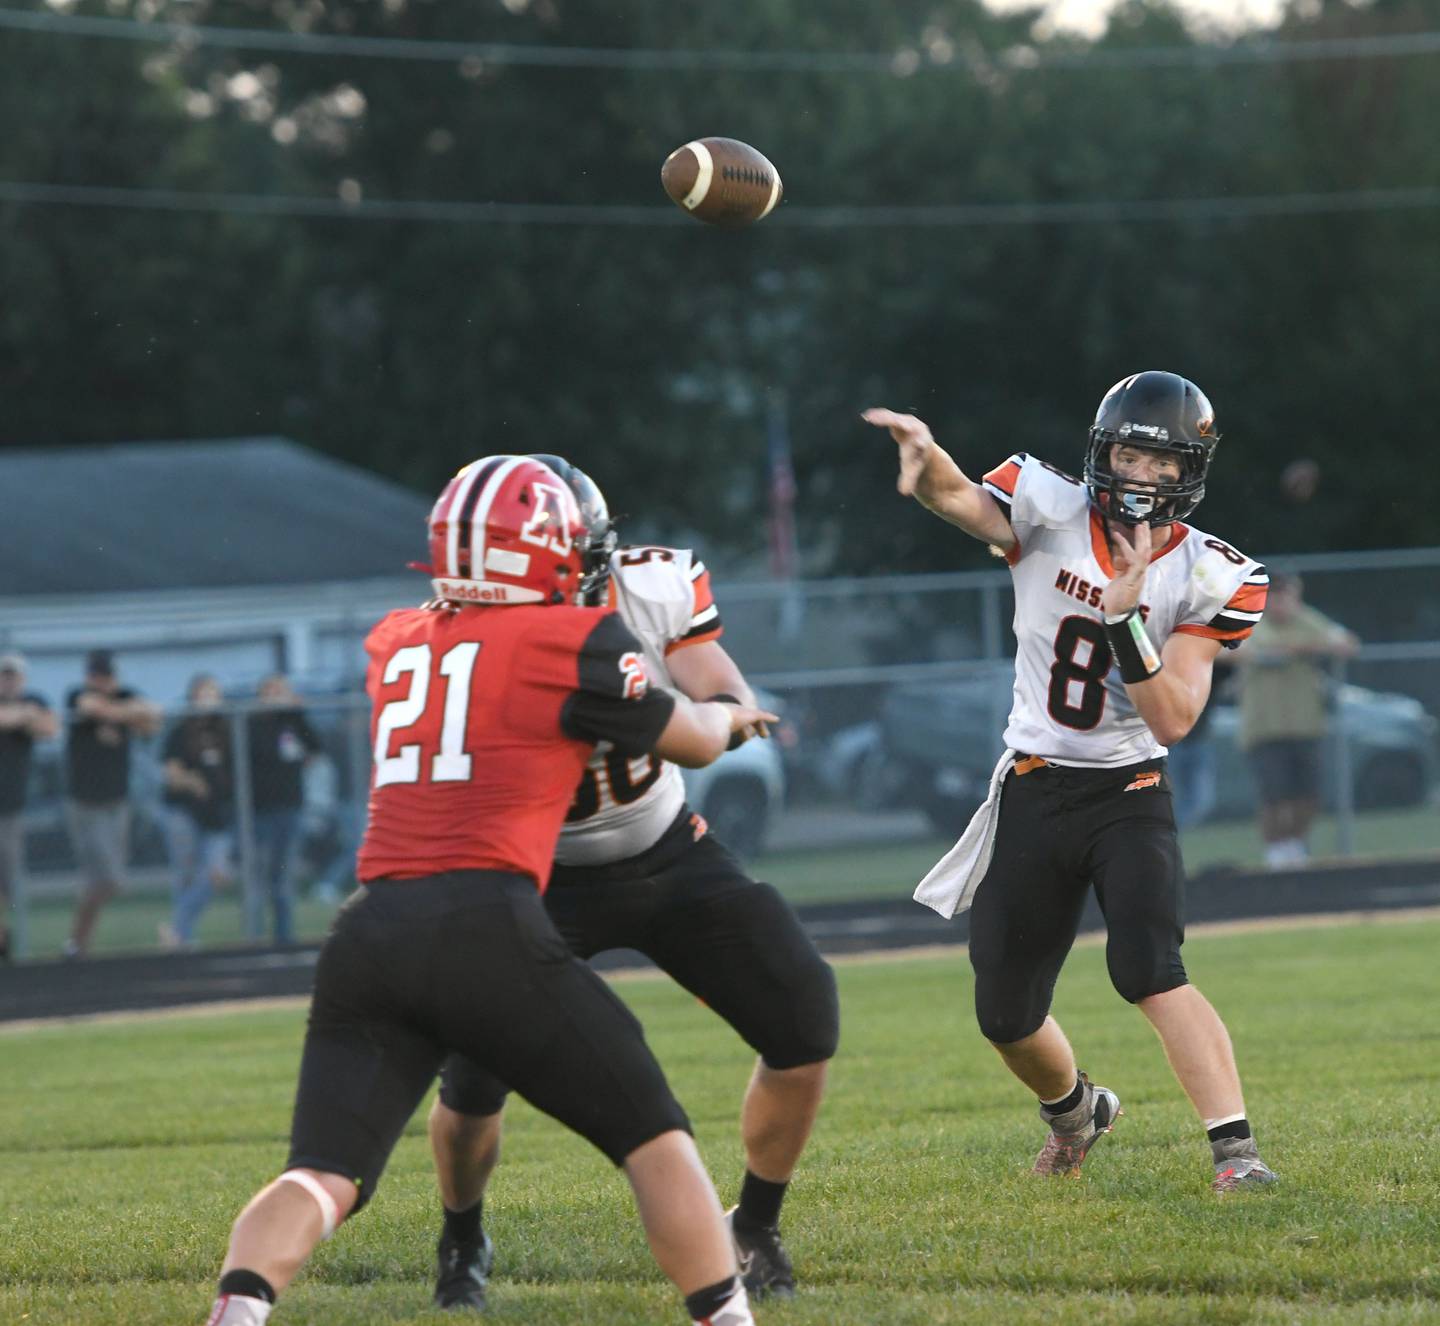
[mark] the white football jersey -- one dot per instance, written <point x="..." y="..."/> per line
<point x="624" y="805"/>
<point x="1070" y="704"/>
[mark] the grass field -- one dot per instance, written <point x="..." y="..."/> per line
<point x="126" y="1147"/>
<point x="855" y="871"/>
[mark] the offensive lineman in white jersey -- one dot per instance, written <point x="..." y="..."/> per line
<point x="1120" y="612"/>
<point x="635" y="868"/>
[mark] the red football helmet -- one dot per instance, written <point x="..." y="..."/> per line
<point x="507" y="529"/>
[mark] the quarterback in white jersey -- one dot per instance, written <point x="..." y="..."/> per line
<point x="1071" y="704"/>
<point x="636" y="869"/>
<point x="1120" y="611"/>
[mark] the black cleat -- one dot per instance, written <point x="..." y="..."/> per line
<point x="764" y="1264"/>
<point x="462" y="1273"/>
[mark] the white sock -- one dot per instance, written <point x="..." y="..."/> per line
<point x="237" y="1310"/>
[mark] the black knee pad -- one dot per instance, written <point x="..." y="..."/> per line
<point x="807" y="1030"/>
<point x="1009" y="1010"/>
<point x="1140" y="969"/>
<point x="1135" y="986"/>
<point x="468" y="1089"/>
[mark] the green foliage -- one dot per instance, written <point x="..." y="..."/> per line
<point x="648" y="353"/>
<point x="126" y="1148"/>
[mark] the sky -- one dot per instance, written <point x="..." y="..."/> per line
<point x="1088" y="16"/>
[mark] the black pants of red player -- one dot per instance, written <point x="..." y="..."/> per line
<point x="1061" y="831"/>
<point x="467" y="963"/>
<point x="691" y="909"/>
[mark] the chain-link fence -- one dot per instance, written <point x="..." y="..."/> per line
<point x="894" y="693"/>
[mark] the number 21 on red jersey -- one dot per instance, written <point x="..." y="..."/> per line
<point x="451" y="763"/>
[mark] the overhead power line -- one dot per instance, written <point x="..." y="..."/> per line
<point x="1108" y="211"/>
<point x="946" y="59"/>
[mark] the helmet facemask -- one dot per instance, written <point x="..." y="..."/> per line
<point x="600" y="539"/>
<point x="1135" y="501"/>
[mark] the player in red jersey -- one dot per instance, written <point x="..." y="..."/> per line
<point x="483" y="722"/>
<point x="637" y="869"/>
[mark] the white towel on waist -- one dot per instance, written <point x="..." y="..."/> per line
<point x="952" y="881"/>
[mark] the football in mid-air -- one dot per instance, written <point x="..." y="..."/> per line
<point x="722" y="181"/>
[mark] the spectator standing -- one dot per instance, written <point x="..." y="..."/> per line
<point x="1284" y="714"/>
<point x="103" y="716"/>
<point x="281" y="743"/>
<point x="24" y="719"/>
<point x="199" y="806"/>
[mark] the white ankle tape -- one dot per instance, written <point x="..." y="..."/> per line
<point x="1229" y="1118"/>
<point x="329" y="1210"/>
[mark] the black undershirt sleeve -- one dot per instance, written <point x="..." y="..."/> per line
<point x="615" y="701"/>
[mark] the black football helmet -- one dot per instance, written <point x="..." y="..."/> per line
<point x="601" y="536"/>
<point x="1160" y="412"/>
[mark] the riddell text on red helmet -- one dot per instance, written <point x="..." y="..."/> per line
<point x="474" y="593"/>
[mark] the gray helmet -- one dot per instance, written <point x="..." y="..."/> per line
<point x="601" y="536"/>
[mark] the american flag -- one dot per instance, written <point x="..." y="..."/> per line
<point x="783" y="552"/>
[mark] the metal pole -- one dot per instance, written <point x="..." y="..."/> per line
<point x="20" y="902"/>
<point x="997" y="694"/>
<point x="1344" y="772"/>
<point x="990" y="623"/>
<point x="251" y="902"/>
<point x="357" y="741"/>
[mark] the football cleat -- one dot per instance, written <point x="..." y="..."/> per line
<point x="765" y="1266"/>
<point x="1073" y="1133"/>
<point x="1238" y="1165"/>
<point x="462" y="1272"/>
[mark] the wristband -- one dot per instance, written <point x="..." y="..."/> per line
<point x="1132" y="649"/>
<point x="737" y="739"/>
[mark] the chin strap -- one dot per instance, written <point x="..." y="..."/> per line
<point x="1134" y="652"/>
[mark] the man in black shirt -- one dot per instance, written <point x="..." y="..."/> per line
<point x="103" y="716"/>
<point x="24" y="719"/>
<point x="281" y="743"/>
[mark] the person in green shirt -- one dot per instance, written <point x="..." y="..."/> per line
<point x="1284" y="713"/>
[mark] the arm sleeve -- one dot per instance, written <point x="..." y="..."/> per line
<point x="172" y="749"/>
<point x="1002" y="481"/>
<point x="1035" y="495"/>
<point x="615" y="701"/>
<point x="705" y="623"/>
<point x="1232" y="619"/>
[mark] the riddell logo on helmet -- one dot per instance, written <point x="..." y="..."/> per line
<point x="470" y="592"/>
<point x="1153" y="431"/>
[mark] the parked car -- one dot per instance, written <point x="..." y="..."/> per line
<point x="1392" y="751"/>
<point x="934" y="747"/>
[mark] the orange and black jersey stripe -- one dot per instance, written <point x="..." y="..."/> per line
<point x="1000" y="482"/>
<point x="705" y="623"/>
<point x="1242" y="610"/>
